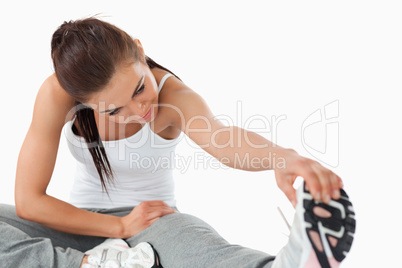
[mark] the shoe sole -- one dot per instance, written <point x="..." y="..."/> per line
<point x="335" y="229"/>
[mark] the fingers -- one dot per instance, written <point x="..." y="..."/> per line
<point x="285" y="183"/>
<point x="336" y="194"/>
<point x="144" y="215"/>
<point x="158" y="213"/>
<point x="324" y="182"/>
<point x="312" y="180"/>
<point x="290" y="193"/>
<point x="153" y="210"/>
<point x="155" y="203"/>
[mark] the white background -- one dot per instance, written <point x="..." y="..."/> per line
<point x="288" y="58"/>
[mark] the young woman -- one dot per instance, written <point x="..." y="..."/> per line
<point x="121" y="106"/>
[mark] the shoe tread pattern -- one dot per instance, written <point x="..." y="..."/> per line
<point x="341" y="225"/>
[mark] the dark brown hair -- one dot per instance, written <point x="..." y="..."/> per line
<point x="86" y="53"/>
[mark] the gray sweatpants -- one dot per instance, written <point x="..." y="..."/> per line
<point x="181" y="240"/>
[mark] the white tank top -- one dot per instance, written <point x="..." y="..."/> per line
<point x="143" y="169"/>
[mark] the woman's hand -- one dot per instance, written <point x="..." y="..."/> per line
<point x="143" y="216"/>
<point x="322" y="183"/>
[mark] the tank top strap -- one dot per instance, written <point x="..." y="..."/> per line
<point x="166" y="76"/>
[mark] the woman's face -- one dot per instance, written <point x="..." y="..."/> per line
<point x="130" y="97"/>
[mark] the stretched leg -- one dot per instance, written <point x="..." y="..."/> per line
<point x="182" y="241"/>
<point x="28" y="244"/>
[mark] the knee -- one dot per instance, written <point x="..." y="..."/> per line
<point x="184" y="223"/>
<point x="179" y="219"/>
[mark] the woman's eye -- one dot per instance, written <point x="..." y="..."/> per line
<point x="114" y="112"/>
<point x="141" y="89"/>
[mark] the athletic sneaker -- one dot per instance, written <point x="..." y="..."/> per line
<point x="321" y="234"/>
<point x="142" y="255"/>
<point x="115" y="253"/>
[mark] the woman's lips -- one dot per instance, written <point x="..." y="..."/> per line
<point x="147" y="115"/>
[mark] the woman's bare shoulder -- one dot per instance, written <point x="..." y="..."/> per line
<point x="53" y="99"/>
<point x="176" y="99"/>
<point x="52" y="86"/>
<point x="171" y="87"/>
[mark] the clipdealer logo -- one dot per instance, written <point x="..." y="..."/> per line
<point x="320" y="134"/>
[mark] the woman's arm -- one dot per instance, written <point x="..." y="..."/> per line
<point x="35" y="167"/>
<point x="246" y="150"/>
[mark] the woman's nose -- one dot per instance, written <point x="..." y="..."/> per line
<point x="138" y="108"/>
<point x="142" y="107"/>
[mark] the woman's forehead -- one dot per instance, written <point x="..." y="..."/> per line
<point x="119" y="89"/>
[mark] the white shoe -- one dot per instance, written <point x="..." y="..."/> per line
<point x="321" y="234"/>
<point x="115" y="253"/>
<point x="108" y="254"/>
<point x="140" y="256"/>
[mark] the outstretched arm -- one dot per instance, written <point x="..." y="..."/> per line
<point x="242" y="149"/>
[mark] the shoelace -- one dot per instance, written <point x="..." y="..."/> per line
<point x="284" y="219"/>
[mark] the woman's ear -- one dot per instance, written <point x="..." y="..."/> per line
<point x="141" y="49"/>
